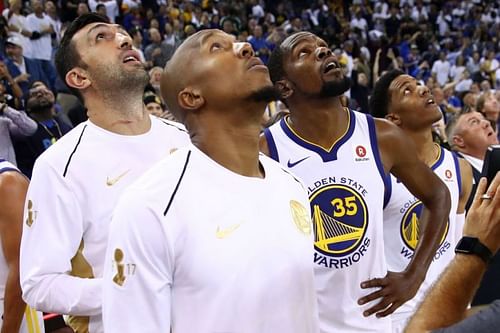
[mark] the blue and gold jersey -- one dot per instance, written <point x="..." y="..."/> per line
<point x="32" y="320"/>
<point x="346" y="186"/>
<point x="401" y="230"/>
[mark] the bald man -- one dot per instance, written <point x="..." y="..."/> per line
<point x="216" y="237"/>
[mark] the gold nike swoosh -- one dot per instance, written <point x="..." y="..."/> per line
<point x="113" y="181"/>
<point x="223" y="233"/>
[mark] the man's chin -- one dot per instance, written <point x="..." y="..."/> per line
<point x="335" y="87"/>
<point x="265" y="94"/>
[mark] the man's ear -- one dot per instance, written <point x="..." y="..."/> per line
<point x="458" y="141"/>
<point x="190" y="99"/>
<point x="393" y="118"/>
<point x="285" y="88"/>
<point x="78" y="78"/>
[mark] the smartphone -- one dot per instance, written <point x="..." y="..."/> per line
<point x="491" y="163"/>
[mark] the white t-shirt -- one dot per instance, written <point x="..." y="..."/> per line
<point x="19" y="21"/>
<point x="32" y="320"/>
<point x="195" y="247"/>
<point x="42" y="47"/>
<point x="442" y="70"/>
<point x="73" y="191"/>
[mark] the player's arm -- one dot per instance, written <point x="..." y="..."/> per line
<point x="13" y="187"/>
<point x="400" y="158"/>
<point x="52" y="234"/>
<point x="137" y="275"/>
<point x="447" y="301"/>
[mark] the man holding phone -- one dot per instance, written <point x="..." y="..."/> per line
<point x="470" y="134"/>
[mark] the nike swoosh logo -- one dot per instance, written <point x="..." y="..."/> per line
<point x="291" y="165"/>
<point x="113" y="181"/>
<point x="223" y="233"/>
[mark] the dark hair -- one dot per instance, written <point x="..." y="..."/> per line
<point x="380" y="98"/>
<point x="101" y="5"/>
<point x="67" y="56"/>
<point x="275" y="64"/>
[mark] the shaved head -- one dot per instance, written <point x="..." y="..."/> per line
<point x="179" y="73"/>
<point x="212" y="71"/>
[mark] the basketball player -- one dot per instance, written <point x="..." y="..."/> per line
<point x="216" y="237"/>
<point x="15" y="316"/>
<point x="344" y="157"/>
<point x="409" y="105"/>
<point x="76" y="183"/>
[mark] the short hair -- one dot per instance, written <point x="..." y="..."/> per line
<point x="67" y="57"/>
<point x="480" y="103"/>
<point x="380" y="98"/>
<point x="275" y="65"/>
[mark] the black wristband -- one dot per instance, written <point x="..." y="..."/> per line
<point x="472" y="245"/>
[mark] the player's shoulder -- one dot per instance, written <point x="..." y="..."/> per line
<point x="278" y="172"/>
<point x="164" y="173"/>
<point x="60" y="152"/>
<point x="170" y="126"/>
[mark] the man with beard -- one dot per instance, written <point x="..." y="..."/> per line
<point x="400" y="99"/>
<point x="344" y="158"/>
<point x="40" y="107"/>
<point x="216" y="237"/>
<point x="76" y="183"/>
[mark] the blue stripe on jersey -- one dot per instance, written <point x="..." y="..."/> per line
<point x="459" y="174"/>
<point x="439" y="160"/>
<point x="2" y="160"/>
<point x="273" y="151"/>
<point x="8" y="169"/>
<point x="326" y="155"/>
<point x="374" y="144"/>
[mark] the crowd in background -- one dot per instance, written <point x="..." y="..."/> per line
<point x="451" y="46"/>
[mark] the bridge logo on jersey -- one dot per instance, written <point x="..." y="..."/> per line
<point x="340" y="220"/>
<point x="410" y="226"/>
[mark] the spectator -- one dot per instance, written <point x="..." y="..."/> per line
<point x="260" y="44"/>
<point x="158" y="52"/>
<point x="441" y="69"/>
<point x="40" y="106"/>
<point x="24" y="70"/>
<point x="41" y="28"/>
<point x="51" y="10"/>
<point x="13" y="124"/>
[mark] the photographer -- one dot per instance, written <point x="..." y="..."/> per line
<point x="13" y="123"/>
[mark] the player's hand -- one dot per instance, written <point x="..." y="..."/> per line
<point x="394" y="289"/>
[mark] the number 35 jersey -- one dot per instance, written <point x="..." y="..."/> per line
<point x="346" y="187"/>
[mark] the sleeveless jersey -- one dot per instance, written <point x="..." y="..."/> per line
<point x="346" y="191"/>
<point x="33" y="320"/>
<point x="401" y="230"/>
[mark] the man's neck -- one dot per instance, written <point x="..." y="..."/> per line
<point x="43" y="115"/>
<point x="319" y="120"/>
<point x="231" y="138"/>
<point x="427" y="150"/>
<point x="128" y="117"/>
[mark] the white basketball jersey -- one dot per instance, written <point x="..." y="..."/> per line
<point x="346" y="192"/>
<point x="401" y="231"/>
<point x="32" y="320"/>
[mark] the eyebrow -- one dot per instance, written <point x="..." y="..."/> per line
<point x="106" y="25"/>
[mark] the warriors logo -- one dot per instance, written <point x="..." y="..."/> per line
<point x="410" y="226"/>
<point x="340" y="220"/>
